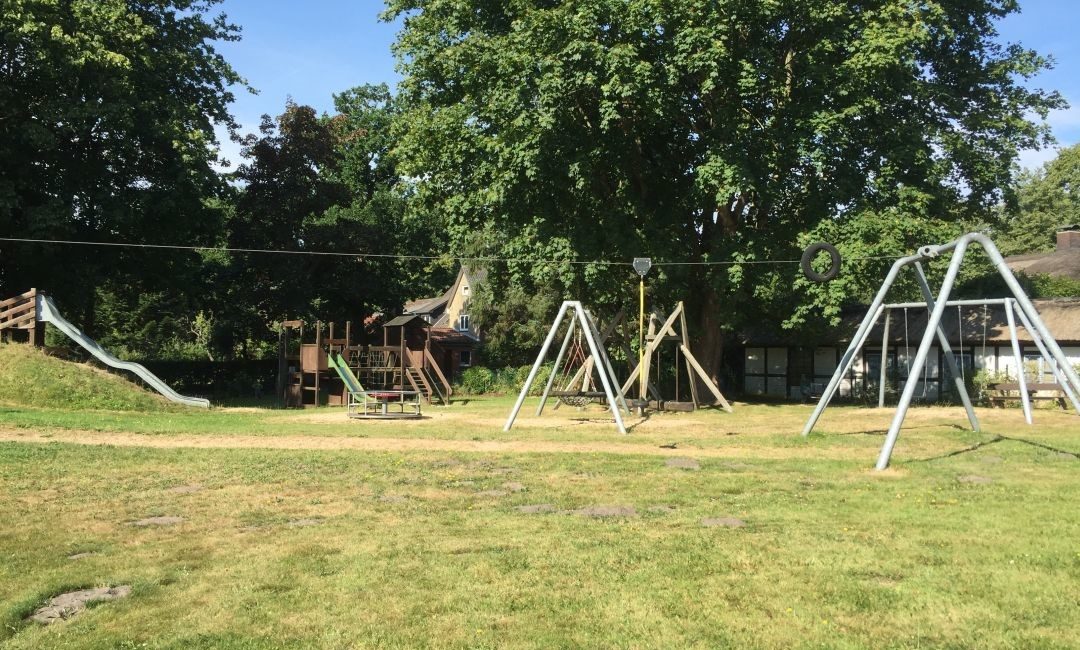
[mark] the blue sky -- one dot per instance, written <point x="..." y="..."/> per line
<point x="312" y="49"/>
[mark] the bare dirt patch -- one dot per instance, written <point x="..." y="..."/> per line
<point x="661" y="509"/>
<point x="514" y="486"/>
<point x="492" y="493"/>
<point x="67" y="605"/>
<point x="167" y="520"/>
<point x="975" y="479"/>
<point x="79" y="556"/>
<point x="307" y="521"/>
<point x="606" y="511"/>
<point x="722" y="522"/>
<point x="86" y="437"/>
<point x="393" y="498"/>
<point x="683" y="462"/>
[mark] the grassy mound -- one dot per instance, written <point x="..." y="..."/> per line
<point x="29" y="377"/>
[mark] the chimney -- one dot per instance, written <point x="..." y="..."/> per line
<point x="1068" y="238"/>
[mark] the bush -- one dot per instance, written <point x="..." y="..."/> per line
<point x="477" y="380"/>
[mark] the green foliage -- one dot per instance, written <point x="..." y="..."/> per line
<point x="28" y="377"/>
<point x="1043" y="285"/>
<point x="478" y="380"/>
<point x="515" y="322"/>
<point x="982" y="379"/>
<point x="1046" y="199"/>
<point x="109" y="109"/>
<point x="320" y="183"/>
<point x="703" y="131"/>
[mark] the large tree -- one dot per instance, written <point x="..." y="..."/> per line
<point x="705" y="131"/>
<point x="324" y="184"/>
<point x="107" y="116"/>
<point x="1046" y="199"/>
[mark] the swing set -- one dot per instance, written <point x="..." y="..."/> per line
<point x="581" y="332"/>
<point x="1018" y="304"/>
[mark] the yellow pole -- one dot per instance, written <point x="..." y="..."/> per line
<point x="641" y="339"/>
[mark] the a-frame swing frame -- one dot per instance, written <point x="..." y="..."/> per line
<point x="1044" y="340"/>
<point x="579" y="318"/>
<point x="583" y="377"/>
<point x="666" y="332"/>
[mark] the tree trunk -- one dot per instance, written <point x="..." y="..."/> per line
<point x="709" y="342"/>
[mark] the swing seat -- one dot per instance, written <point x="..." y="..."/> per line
<point x="576" y="393"/>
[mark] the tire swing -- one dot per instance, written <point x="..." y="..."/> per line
<point x="808" y="257"/>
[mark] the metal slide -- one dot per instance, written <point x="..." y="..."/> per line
<point x="48" y="312"/>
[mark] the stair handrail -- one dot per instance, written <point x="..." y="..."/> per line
<point x="429" y="359"/>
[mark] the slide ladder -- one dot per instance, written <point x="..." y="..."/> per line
<point x="47" y="312"/>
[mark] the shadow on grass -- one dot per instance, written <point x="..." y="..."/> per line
<point x="643" y="420"/>
<point x="994" y="441"/>
<point x="881" y="432"/>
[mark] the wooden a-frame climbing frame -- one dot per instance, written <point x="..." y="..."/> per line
<point x="666" y="332"/>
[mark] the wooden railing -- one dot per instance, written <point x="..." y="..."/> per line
<point x="19" y="312"/>
<point x="430" y="361"/>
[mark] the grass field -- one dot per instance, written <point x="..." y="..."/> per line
<point x="303" y="529"/>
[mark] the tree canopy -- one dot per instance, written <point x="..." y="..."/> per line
<point x="706" y="131"/>
<point x="1046" y="199"/>
<point x="107" y="133"/>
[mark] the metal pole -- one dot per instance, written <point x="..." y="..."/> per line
<point x="1025" y="399"/>
<point x="845" y="362"/>
<point x="1069" y="392"/>
<point x="555" y="368"/>
<point x="539" y="361"/>
<point x="884" y="357"/>
<point x="641" y="338"/>
<point x="604" y="379"/>
<point x="1025" y="304"/>
<point x="975" y="302"/>
<point x="605" y="364"/>
<point x="946" y="349"/>
<point x="920" y="356"/>
<point x="864" y="328"/>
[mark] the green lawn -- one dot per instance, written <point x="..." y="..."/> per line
<point x="971" y="540"/>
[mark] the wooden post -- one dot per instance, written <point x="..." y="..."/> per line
<point x="283" y="364"/>
<point x="318" y="349"/>
<point x="689" y="370"/>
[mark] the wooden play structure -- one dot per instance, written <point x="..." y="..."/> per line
<point x="664" y="331"/>
<point x="403" y="364"/>
<point x="19" y="321"/>
<point x="584" y="347"/>
<point x="29" y="312"/>
<point x="579" y="320"/>
<point x="575" y="368"/>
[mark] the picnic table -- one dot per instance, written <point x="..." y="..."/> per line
<point x="999" y="394"/>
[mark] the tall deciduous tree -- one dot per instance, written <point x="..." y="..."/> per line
<point x="325" y="184"/>
<point x="703" y="131"/>
<point x="107" y="115"/>
<point x="1046" y="199"/>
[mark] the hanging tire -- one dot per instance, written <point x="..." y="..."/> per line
<point x="811" y="252"/>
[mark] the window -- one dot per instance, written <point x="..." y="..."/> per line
<point x="463" y="323"/>
<point x="464" y="289"/>
<point x="465" y="358"/>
